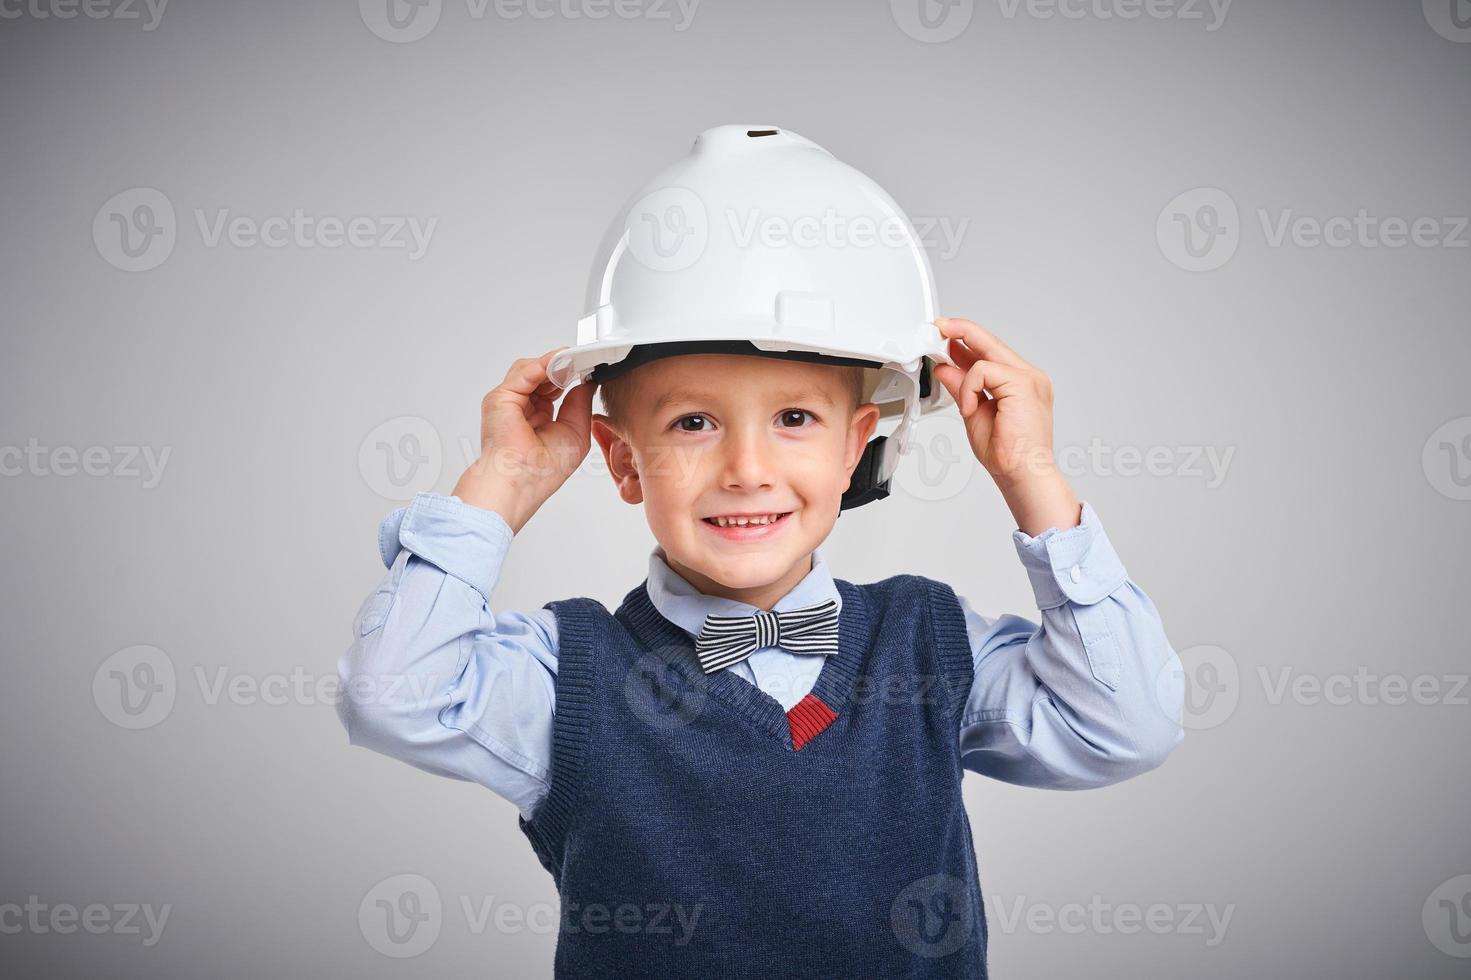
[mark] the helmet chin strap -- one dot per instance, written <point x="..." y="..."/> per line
<point x="865" y="484"/>
<point x="875" y="469"/>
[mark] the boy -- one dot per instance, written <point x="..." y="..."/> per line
<point x="751" y="767"/>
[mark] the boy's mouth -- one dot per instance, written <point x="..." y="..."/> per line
<point x="742" y="527"/>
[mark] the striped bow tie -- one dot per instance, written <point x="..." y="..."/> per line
<point x="725" y="640"/>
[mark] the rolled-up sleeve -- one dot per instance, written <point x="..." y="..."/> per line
<point x="433" y="677"/>
<point x="1090" y="695"/>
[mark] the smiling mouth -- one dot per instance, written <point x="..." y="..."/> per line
<point x="746" y="520"/>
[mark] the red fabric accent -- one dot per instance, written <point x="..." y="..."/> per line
<point x="808" y="717"/>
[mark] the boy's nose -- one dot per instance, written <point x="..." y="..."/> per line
<point x="749" y="463"/>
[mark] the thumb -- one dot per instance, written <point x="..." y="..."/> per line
<point x="576" y="411"/>
<point x="950" y="376"/>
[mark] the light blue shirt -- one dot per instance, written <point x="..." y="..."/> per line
<point x="1089" y="696"/>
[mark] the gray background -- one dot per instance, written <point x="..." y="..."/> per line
<point x="1335" y="543"/>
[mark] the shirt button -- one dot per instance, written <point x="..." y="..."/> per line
<point x="1074" y="574"/>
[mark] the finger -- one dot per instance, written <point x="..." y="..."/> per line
<point x="516" y="393"/>
<point x="977" y="419"/>
<point x="962" y="355"/>
<point x="979" y="339"/>
<point x="541" y="402"/>
<point x="953" y="378"/>
<point x="527" y="374"/>
<point x="983" y="376"/>
<point x="950" y="377"/>
<point x="550" y="392"/>
<point x="576" y="411"/>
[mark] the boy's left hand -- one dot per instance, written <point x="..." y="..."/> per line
<point x="1011" y="431"/>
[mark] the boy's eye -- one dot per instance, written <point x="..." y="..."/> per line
<point x="792" y="417"/>
<point x="691" y="418"/>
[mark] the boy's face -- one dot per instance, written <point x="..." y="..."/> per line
<point x="713" y="435"/>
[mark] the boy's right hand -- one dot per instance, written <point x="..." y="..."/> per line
<point x="525" y="454"/>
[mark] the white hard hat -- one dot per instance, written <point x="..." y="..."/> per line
<point x="759" y="241"/>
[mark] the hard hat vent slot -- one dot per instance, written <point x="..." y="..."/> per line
<point x="762" y="132"/>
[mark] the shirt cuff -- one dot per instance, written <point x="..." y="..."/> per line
<point x="462" y="540"/>
<point x="1073" y="565"/>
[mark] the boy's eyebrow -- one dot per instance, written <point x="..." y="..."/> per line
<point x="680" y="395"/>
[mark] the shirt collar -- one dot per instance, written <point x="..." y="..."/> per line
<point x="686" y="607"/>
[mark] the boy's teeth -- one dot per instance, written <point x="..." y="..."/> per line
<point x="741" y="521"/>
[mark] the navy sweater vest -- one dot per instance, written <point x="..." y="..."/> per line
<point x="695" y="829"/>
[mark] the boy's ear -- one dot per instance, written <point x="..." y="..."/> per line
<point x="619" y="456"/>
<point x="860" y="430"/>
